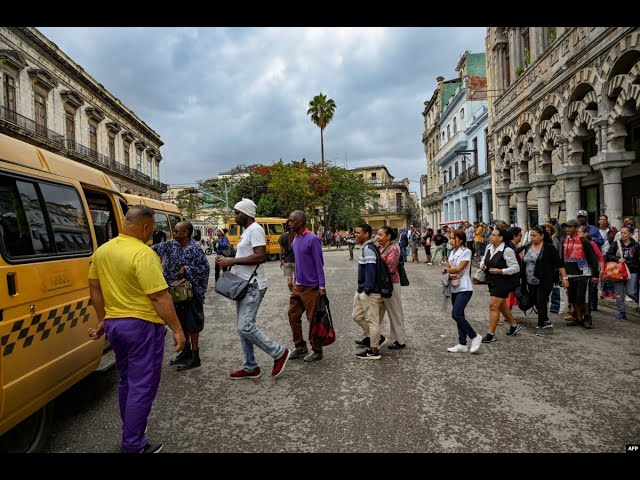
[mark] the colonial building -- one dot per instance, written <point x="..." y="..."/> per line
<point x="432" y="200"/>
<point x="564" y="121"/>
<point x="50" y="101"/>
<point x="462" y="154"/>
<point x="394" y="205"/>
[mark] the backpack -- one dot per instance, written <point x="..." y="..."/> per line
<point x="384" y="282"/>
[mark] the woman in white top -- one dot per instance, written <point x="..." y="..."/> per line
<point x="461" y="290"/>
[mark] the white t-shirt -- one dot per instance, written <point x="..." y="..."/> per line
<point x="253" y="236"/>
<point x="455" y="258"/>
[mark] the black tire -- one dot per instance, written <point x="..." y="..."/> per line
<point x="31" y="435"/>
<point x="208" y="251"/>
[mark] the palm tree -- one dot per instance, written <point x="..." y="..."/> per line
<point x="321" y="111"/>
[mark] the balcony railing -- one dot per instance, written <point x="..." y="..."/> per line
<point x="30" y="125"/>
<point x="471" y="173"/>
<point x="385" y="183"/>
<point x="90" y="155"/>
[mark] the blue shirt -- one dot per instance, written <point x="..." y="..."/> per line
<point x="309" y="263"/>
<point x="195" y="263"/>
<point x="367" y="269"/>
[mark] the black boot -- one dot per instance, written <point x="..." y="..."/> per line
<point x="183" y="356"/>
<point x="193" y="362"/>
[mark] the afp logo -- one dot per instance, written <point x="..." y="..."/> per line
<point x="633" y="448"/>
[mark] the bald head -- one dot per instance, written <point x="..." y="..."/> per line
<point x="139" y="222"/>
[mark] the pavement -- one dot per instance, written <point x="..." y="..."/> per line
<point x="573" y="390"/>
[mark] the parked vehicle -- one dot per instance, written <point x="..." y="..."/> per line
<point x="273" y="228"/>
<point x="54" y="214"/>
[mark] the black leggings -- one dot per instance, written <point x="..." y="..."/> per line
<point x="540" y="297"/>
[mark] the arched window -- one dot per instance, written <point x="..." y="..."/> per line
<point x="455" y="125"/>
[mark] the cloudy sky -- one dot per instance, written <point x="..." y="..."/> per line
<point x="221" y="97"/>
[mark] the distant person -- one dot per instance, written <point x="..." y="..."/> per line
<point x="133" y="305"/>
<point x="287" y="258"/>
<point x="222" y="248"/>
<point x="251" y="253"/>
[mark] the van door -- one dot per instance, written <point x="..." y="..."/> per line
<point x="162" y="232"/>
<point x="46" y="247"/>
<point x="103" y="216"/>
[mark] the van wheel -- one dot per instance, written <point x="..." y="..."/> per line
<point x="31" y="435"/>
<point x="274" y="256"/>
<point x="208" y="251"/>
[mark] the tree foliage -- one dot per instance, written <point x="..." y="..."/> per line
<point x="321" y="110"/>
<point x="189" y="202"/>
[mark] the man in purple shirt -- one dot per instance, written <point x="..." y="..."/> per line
<point x="308" y="284"/>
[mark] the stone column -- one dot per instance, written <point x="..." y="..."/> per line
<point x="521" y="206"/>
<point x="457" y="211"/>
<point x="473" y="209"/>
<point x="572" y="197"/>
<point x="486" y="206"/>
<point x="503" y="206"/>
<point x="612" y="182"/>
<point x="544" y="203"/>
<point x="610" y="165"/>
<point x="464" y="208"/>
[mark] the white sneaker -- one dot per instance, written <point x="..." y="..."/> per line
<point x="475" y="343"/>
<point x="458" y="349"/>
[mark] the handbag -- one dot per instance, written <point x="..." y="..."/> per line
<point x="322" y="332"/>
<point x="232" y="286"/>
<point x="616" y="271"/>
<point x="404" y="280"/>
<point x="479" y="277"/>
<point x="181" y="290"/>
<point x="523" y="296"/>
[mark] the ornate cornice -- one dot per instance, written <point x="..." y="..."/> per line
<point x="141" y="145"/>
<point x="13" y="58"/>
<point x="42" y="78"/>
<point x="72" y="98"/>
<point x="94" y="114"/>
<point x="127" y="136"/>
<point x="113" y="127"/>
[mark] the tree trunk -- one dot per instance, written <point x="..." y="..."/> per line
<point x="322" y="147"/>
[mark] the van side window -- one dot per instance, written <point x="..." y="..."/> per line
<point x="102" y="216"/>
<point x="161" y="232"/>
<point x="41" y="219"/>
<point x="67" y="217"/>
<point x="276" y="229"/>
<point x="234" y="230"/>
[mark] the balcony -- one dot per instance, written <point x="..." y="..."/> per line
<point x="447" y="151"/>
<point x="32" y="129"/>
<point x="78" y="150"/>
<point x="386" y="184"/>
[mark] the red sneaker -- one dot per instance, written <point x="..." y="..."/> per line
<point x="239" y="374"/>
<point x="278" y="365"/>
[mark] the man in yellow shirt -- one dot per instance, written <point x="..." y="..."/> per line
<point x="133" y="305"/>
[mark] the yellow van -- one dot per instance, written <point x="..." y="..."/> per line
<point x="166" y="217"/>
<point x="273" y="228"/>
<point x="54" y="213"/>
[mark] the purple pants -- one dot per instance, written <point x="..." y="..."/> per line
<point x="139" y="347"/>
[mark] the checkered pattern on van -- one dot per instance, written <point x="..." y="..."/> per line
<point x="25" y="332"/>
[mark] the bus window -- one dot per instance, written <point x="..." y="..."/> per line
<point x="161" y="232"/>
<point x="102" y="216"/>
<point x="174" y="220"/>
<point x="68" y="221"/>
<point x="276" y="229"/>
<point x="234" y="229"/>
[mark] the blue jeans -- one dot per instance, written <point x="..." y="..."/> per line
<point x="250" y="334"/>
<point x="459" y="301"/>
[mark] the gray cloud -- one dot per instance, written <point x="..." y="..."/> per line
<point x="219" y="97"/>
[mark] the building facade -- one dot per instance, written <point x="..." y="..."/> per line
<point x="564" y="122"/>
<point x="50" y="101"/>
<point x="393" y="206"/>
<point x="462" y="157"/>
<point x="432" y="199"/>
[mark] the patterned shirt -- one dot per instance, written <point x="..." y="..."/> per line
<point x="391" y="256"/>
<point x="195" y="263"/>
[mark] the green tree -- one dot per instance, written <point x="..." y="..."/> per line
<point x="289" y="186"/>
<point x="321" y="110"/>
<point x="189" y="202"/>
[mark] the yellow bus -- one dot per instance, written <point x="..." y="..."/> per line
<point x="166" y="217"/>
<point x="273" y="228"/>
<point x="54" y="213"/>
